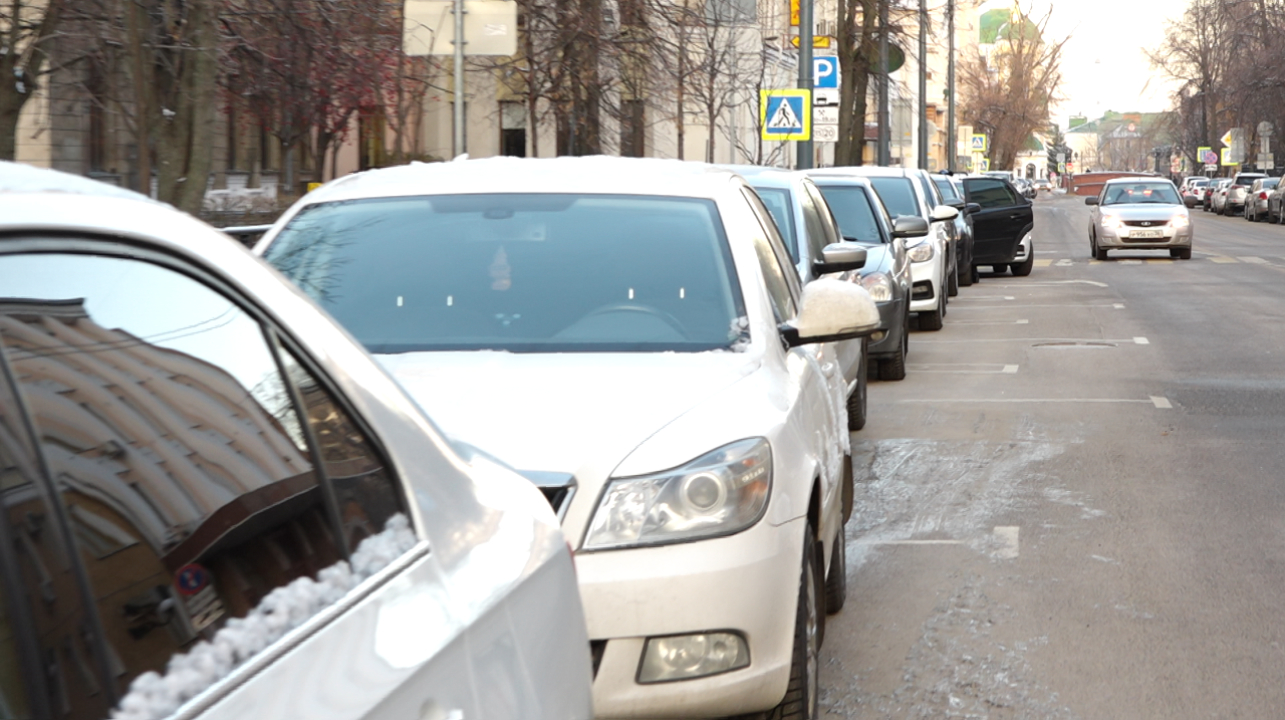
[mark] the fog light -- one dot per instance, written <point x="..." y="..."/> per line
<point x="877" y="336"/>
<point x="683" y="657"/>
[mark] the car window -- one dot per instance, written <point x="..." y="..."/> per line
<point x="1141" y="193"/>
<point x="778" y="202"/>
<point x="946" y="189"/>
<point x="519" y="272"/>
<point x="828" y="221"/>
<point x="176" y="447"/>
<point x="990" y="193"/>
<point x="898" y="195"/>
<point x="816" y="224"/>
<point x="853" y="208"/>
<point x="931" y="195"/>
<point x="777" y="272"/>
<point x="14" y="699"/>
<point x="47" y="592"/>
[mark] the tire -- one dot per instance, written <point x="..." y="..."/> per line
<point x="1184" y="254"/>
<point x="894" y="368"/>
<point x="800" y="701"/>
<point x="976" y="274"/>
<point x="965" y="278"/>
<point x="1024" y="268"/>
<point x="1099" y="253"/>
<point x="857" y="400"/>
<point x="999" y="269"/>
<point x="836" y="580"/>
<point x="952" y="283"/>
<point x="933" y="321"/>
<point x="849" y="489"/>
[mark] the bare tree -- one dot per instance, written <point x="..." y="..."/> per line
<point x="1009" y="90"/>
<point x="26" y="27"/>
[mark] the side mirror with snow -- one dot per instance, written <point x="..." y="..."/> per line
<point x="944" y="213"/>
<point x="839" y="257"/>
<point x="831" y="310"/>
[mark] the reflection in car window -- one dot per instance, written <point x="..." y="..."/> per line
<point x="777" y="202"/>
<point x="815" y="223"/>
<point x="1141" y="193"/>
<point x="946" y="189"/>
<point x="898" y="195"/>
<point x="14" y="702"/>
<point x="180" y="459"/>
<point x="990" y="193"/>
<point x="776" y="272"/>
<point x="518" y="272"/>
<point x="852" y="208"/>
<point x="831" y="225"/>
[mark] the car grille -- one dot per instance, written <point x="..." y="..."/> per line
<point x="1146" y="223"/>
<point x="922" y="290"/>
<point x="1161" y="239"/>
<point x="558" y="488"/>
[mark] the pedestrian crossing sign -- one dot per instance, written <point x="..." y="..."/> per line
<point x="786" y="114"/>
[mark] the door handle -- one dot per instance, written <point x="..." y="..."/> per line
<point x="1014" y="216"/>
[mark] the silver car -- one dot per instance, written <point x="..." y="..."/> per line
<point x="1139" y="213"/>
<point x="217" y="505"/>
<point x="1234" y="201"/>
<point x="1256" y="207"/>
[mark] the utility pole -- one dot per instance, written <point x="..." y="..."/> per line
<point x="952" y="151"/>
<point x="804" y="147"/>
<point x="923" y="85"/>
<point x="460" y="138"/>
<point x="885" y="130"/>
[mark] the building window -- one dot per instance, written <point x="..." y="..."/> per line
<point x="513" y="129"/>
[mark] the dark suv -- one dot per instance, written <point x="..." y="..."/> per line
<point x="1000" y="226"/>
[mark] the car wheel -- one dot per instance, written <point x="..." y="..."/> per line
<point x="836" y="581"/>
<point x="952" y="283"/>
<point x="800" y="701"/>
<point x="933" y="320"/>
<point x="999" y="269"/>
<point x="1099" y="253"/>
<point x="1184" y="254"/>
<point x="857" y="402"/>
<point x="976" y="274"/>
<point x="894" y="368"/>
<point x="965" y="276"/>
<point x="1024" y="268"/>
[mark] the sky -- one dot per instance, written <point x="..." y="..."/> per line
<point x="1105" y="67"/>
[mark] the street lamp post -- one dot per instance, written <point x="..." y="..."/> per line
<point x="923" y="85"/>
<point x="951" y="151"/>
<point x="804" y="147"/>
<point x="885" y="131"/>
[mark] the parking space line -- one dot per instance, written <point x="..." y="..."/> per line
<point x="918" y="542"/>
<point x="989" y="297"/>
<point x="1007" y="536"/>
<point x="1050" y="283"/>
<point x="1161" y="402"/>
<point x="1141" y="341"/>
<point x="991" y="322"/>
<point x="1022" y="401"/>
<point x="1223" y="259"/>
<point x="1043" y="263"/>
<point x="962" y="368"/>
<point x="1124" y="341"/>
<point x="1117" y="306"/>
<point x="1252" y="260"/>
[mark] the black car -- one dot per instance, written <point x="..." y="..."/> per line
<point x="1004" y="220"/>
<point x="952" y="194"/>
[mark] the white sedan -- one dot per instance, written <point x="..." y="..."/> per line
<point x="632" y="335"/>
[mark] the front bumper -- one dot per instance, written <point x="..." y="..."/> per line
<point x="746" y="583"/>
<point x="925" y="280"/>
<point x="1173" y="238"/>
<point x="891" y="323"/>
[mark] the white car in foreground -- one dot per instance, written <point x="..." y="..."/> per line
<point x="630" y="334"/>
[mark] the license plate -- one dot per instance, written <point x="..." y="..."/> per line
<point x="1146" y="233"/>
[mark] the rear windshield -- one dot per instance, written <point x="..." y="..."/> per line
<point x="946" y="188"/>
<point x="1141" y="193"/>
<point x="898" y="196"/>
<point x="519" y="272"/>
<point x="855" y="212"/>
<point x="778" y="202"/>
<point x="1246" y="180"/>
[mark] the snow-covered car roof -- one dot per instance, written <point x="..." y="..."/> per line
<point x="22" y="178"/>
<point x="632" y="176"/>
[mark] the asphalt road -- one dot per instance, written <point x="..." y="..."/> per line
<point x="1074" y="505"/>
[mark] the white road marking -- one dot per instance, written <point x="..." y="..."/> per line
<point x="1114" y="401"/>
<point x="1222" y="259"/>
<point x="1065" y="262"/>
<point x="990" y="322"/>
<point x="1118" y="306"/>
<point x="963" y="368"/>
<point x="1129" y="262"/>
<point x="1252" y="260"/>
<point x="1008" y="537"/>
<point x="1053" y="283"/>
<point x="1010" y="369"/>
<point x="918" y="542"/>
<point x="1063" y="305"/>
<point x="990" y="297"/>
<point x="1141" y="341"/>
<point x="1161" y="402"/>
<point x="1097" y="341"/>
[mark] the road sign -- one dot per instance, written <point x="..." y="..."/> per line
<point x="825" y="97"/>
<point x="823" y="115"/>
<point x="1226" y="139"/>
<point x="786" y="114"/>
<point x="1061" y="157"/>
<point x="1227" y="159"/>
<point x="825" y="133"/>
<point x="1070" y="167"/>
<point x="1266" y="161"/>
<point x="1207" y="156"/>
<point x="825" y="72"/>
<point x="821" y="42"/>
<point x="963" y="138"/>
<point x="978" y="143"/>
<point x="794" y="13"/>
<point x="490" y="27"/>
<point x="1265" y="129"/>
<point x="1061" y="167"/>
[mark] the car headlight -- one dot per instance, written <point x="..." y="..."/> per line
<point x="1179" y="221"/>
<point x="719" y="493"/>
<point x="1113" y="223"/>
<point x="879" y="285"/>
<point x="920" y="253"/>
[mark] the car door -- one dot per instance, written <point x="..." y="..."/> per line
<point x="999" y="225"/>
<point x="193" y="465"/>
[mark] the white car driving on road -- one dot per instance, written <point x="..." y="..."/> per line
<point x="632" y="335"/>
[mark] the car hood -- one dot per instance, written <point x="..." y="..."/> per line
<point x="878" y="258"/>
<point x="579" y="413"/>
<point x="1144" y="211"/>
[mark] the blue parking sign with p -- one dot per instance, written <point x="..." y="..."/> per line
<point x="825" y="72"/>
<point x="786" y="114"/>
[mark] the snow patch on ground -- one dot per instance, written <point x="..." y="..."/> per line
<point x="153" y="696"/>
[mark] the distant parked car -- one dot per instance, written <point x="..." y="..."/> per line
<point x="1256" y="198"/>
<point x="1276" y="204"/>
<point x="952" y="193"/>
<point x="1192" y="190"/>
<point x="1215" y="192"/>
<point x="1043" y="185"/>
<point x="1238" y="192"/>
<point x="217" y="506"/>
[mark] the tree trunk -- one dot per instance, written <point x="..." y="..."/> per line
<point x="22" y="60"/>
<point x="184" y="141"/>
<point x="854" y="79"/>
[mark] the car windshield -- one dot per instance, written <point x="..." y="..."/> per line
<point x="779" y="202"/>
<point x="1270" y="183"/>
<point x="898" y="195"/>
<point x="519" y="272"/>
<point x="1141" y="193"/>
<point x="1246" y="180"/>
<point x="947" y="190"/>
<point x="854" y="212"/>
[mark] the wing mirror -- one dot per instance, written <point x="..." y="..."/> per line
<point x="839" y="257"/>
<point x="1091" y="201"/>
<point x="831" y="310"/>
<point x="944" y="213"/>
<point x="972" y="208"/>
<point x="907" y="227"/>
